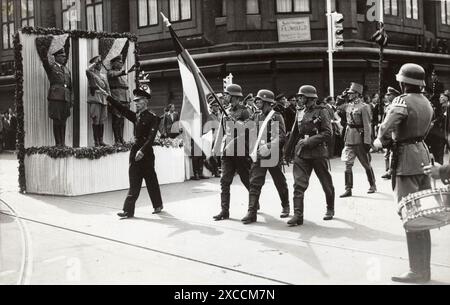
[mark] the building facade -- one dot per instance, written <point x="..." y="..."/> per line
<point x="273" y="44"/>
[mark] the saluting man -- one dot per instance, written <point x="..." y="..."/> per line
<point x="358" y="139"/>
<point x="60" y="98"/>
<point x="117" y="78"/>
<point x="406" y="125"/>
<point x="270" y="125"/>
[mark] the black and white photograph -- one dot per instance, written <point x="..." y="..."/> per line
<point x="225" y="148"/>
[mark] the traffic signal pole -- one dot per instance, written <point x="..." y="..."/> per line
<point x="330" y="49"/>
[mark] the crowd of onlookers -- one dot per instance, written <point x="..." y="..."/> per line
<point x="8" y="130"/>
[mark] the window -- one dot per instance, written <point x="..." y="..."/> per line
<point x="8" y="23"/>
<point x="391" y="7"/>
<point x="445" y="12"/>
<point x="412" y="9"/>
<point x="70" y="14"/>
<point x="252" y="7"/>
<point x="148" y="12"/>
<point x="293" y="6"/>
<point x="94" y="15"/>
<point x="27" y="12"/>
<point x="224" y="8"/>
<point x="180" y="10"/>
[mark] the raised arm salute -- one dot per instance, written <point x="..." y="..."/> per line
<point x="142" y="158"/>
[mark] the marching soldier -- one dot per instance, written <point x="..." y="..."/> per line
<point x="270" y="124"/>
<point x="117" y="78"/>
<point x="390" y="95"/>
<point x="142" y="158"/>
<point x="309" y="137"/>
<point x="358" y="139"/>
<point x="405" y="128"/>
<point x="232" y="162"/>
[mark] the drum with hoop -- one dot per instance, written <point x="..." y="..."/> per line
<point x="426" y="210"/>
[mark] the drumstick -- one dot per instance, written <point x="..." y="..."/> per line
<point x="434" y="180"/>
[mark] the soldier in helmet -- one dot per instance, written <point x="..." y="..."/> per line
<point x="270" y="125"/>
<point x="358" y="139"/>
<point x="406" y="125"/>
<point x="232" y="160"/>
<point x="309" y="137"/>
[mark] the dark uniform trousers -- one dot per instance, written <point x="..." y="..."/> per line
<point x="138" y="171"/>
<point x="257" y="180"/>
<point x="231" y="166"/>
<point x="118" y="123"/>
<point x="358" y="151"/>
<point x="302" y="171"/>
<point x="419" y="242"/>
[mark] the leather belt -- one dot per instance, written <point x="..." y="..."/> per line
<point x="410" y="141"/>
<point x="355" y="126"/>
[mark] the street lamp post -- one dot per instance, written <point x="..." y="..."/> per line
<point x="330" y="49"/>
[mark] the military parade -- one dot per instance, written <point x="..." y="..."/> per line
<point x="94" y="119"/>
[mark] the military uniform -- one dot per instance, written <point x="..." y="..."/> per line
<point x="232" y="162"/>
<point x="119" y="91"/>
<point x="275" y="139"/>
<point x="315" y="128"/>
<point x="59" y="97"/>
<point x="407" y="123"/>
<point x="358" y="138"/>
<point x="145" y="128"/>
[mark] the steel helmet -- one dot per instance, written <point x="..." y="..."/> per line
<point x="411" y="74"/>
<point x="308" y="91"/>
<point x="234" y="90"/>
<point x="266" y="96"/>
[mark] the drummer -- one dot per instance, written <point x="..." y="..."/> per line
<point x="406" y="125"/>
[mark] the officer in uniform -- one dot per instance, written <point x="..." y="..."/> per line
<point x="232" y="162"/>
<point x="405" y="128"/>
<point x="59" y="94"/>
<point x="142" y="158"/>
<point x="390" y="95"/>
<point x="98" y="111"/>
<point x="117" y="78"/>
<point x="309" y="137"/>
<point x="274" y="138"/>
<point x="358" y="139"/>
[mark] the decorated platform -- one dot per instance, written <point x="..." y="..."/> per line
<point x="77" y="168"/>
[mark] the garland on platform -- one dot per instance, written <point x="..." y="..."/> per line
<point x="93" y="153"/>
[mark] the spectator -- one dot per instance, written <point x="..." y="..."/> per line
<point x="12" y="130"/>
<point x="170" y="117"/>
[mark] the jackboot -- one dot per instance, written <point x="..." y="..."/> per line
<point x="298" y="213"/>
<point x="348" y="185"/>
<point x="329" y="214"/>
<point x="419" y="252"/>
<point x="62" y="134"/>
<point x="387" y="175"/>
<point x="222" y="215"/>
<point x="371" y="179"/>
<point x="100" y="135"/>
<point x="95" y="134"/>
<point x="56" y="132"/>
<point x="249" y="218"/>
<point x="285" y="212"/>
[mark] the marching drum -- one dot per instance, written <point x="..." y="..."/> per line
<point x="425" y="210"/>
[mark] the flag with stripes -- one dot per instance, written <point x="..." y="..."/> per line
<point x="194" y="111"/>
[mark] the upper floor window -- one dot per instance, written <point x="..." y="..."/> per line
<point x="179" y="10"/>
<point x="94" y="15"/>
<point x="445" y="12"/>
<point x="412" y="9"/>
<point x="391" y="7"/>
<point x="224" y="7"/>
<point x="293" y="6"/>
<point x="148" y="12"/>
<point x="8" y="23"/>
<point x="70" y="14"/>
<point x="27" y="12"/>
<point x="252" y="7"/>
